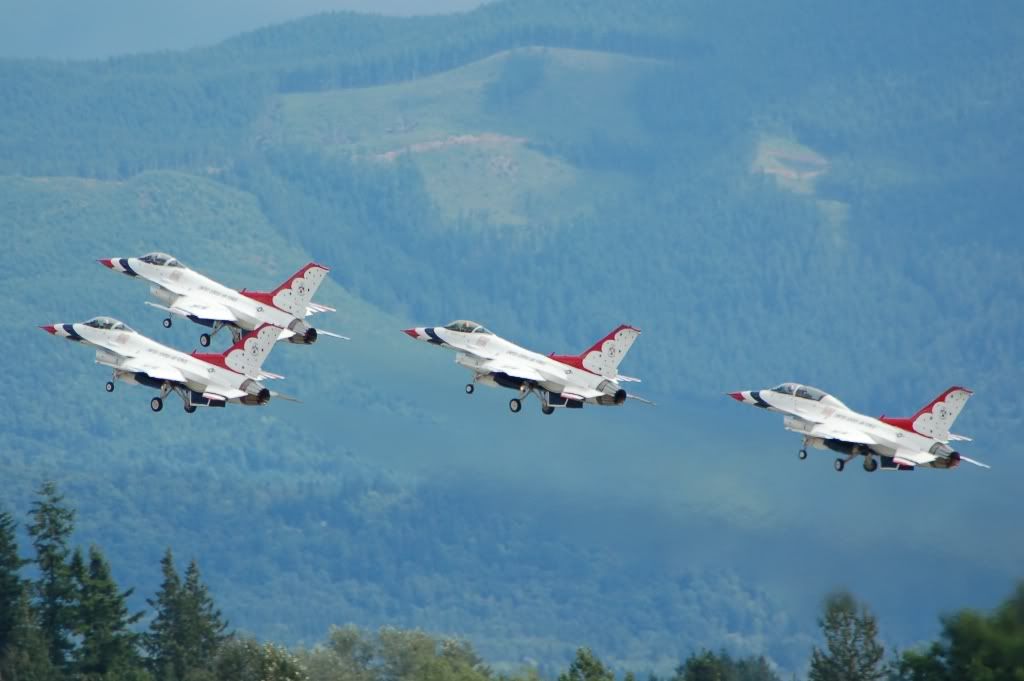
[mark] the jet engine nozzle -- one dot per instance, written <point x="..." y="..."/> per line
<point x="257" y="395"/>
<point x="304" y="335"/>
<point x="616" y="399"/>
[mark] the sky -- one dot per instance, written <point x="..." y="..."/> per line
<point x="70" y="29"/>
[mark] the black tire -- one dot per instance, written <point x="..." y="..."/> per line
<point x="547" y="409"/>
<point x="190" y="409"/>
<point x="839" y="465"/>
<point x="156" y="404"/>
<point x="515" y="405"/>
<point x="204" y="340"/>
<point x="470" y="388"/>
<point x="109" y="387"/>
<point x="870" y="465"/>
<point x="802" y="454"/>
<point x="167" y="323"/>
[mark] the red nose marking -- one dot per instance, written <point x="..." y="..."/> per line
<point x="736" y="396"/>
<point x="411" y="333"/>
<point x="107" y="262"/>
<point x="49" y="328"/>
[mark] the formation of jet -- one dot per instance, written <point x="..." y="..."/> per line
<point x="567" y="381"/>
<point x="199" y="379"/>
<point x="186" y="293"/>
<point x="886" y="442"/>
<point x="257" y="320"/>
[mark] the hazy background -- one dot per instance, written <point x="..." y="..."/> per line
<point x="59" y="29"/>
<point x="785" y="192"/>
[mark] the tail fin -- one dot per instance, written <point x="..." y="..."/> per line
<point x="248" y="354"/>
<point x="604" y="356"/>
<point x="295" y="294"/>
<point x="936" y="418"/>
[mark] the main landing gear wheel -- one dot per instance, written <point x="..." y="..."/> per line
<point x="167" y="323"/>
<point x="515" y="405"/>
<point x="204" y="340"/>
<point x="802" y="454"/>
<point x="839" y="465"/>
<point x="190" y="409"/>
<point x="156" y="404"/>
<point x="470" y="388"/>
<point x="547" y="409"/>
<point x="109" y="387"/>
<point x="870" y="465"/>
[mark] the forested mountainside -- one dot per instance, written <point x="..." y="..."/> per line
<point x="772" y="192"/>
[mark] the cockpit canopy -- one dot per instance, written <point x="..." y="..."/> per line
<point x="108" y="323"/>
<point x="806" y="392"/>
<point x="161" y="259"/>
<point x="466" y="326"/>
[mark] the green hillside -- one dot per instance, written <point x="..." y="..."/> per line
<point x="783" y="192"/>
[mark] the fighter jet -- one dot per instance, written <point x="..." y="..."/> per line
<point x="201" y="380"/>
<point x="186" y="293"/>
<point x="886" y="442"/>
<point x="557" y="380"/>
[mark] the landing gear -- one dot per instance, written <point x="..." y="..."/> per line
<point x="839" y="465"/>
<point x="156" y="404"/>
<point x="870" y="465"/>
<point x="470" y="388"/>
<point x="190" y="409"/>
<point x="167" y="323"/>
<point x="204" y="340"/>
<point x="514" y="405"/>
<point x="802" y="454"/>
<point x="547" y="409"/>
<point x="109" y="387"/>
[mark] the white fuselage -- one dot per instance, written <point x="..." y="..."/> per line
<point x="126" y="351"/>
<point x="828" y="419"/>
<point x="476" y="350"/>
<point x="172" y="283"/>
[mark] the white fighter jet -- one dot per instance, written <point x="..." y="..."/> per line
<point x="892" y="443"/>
<point x="201" y="380"/>
<point x="557" y="380"/>
<point x="184" y="292"/>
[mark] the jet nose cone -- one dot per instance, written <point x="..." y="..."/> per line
<point x="736" y="396"/>
<point x="411" y="333"/>
<point x="106" y="262"/>
<point x="50" y="329"/>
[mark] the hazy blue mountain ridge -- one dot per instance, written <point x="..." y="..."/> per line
<point x="771" y="192"/>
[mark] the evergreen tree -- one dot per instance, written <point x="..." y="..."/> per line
<point x="204" y="626"/>
<point x="187" y="629"/>
<point x="162" y="642"/>
<point x="586" y="667"/>
<point x="11" y="585"/>
<point x="50" y="529"/>
<point x="853" y="652"/>
<point x="27" y="657"/>
<point x="108" y="643"/>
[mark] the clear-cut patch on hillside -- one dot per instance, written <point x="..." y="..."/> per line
<point x="794" y="166"/>
<point x="482" y="139"/>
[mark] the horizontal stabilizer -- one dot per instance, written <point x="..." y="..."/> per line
<point x="332" y="334"/>
<point x="627" y="379"/>
<point x="976" y="463"/>
<point x="281" y="396"/>
<point x="630" y="396"/>
<point x="960" y="438"/>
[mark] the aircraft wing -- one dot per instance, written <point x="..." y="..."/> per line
<point x="194" y="306"/>
<point x="313" y="308"/>
<point x="840" y="431"/>
<point x="513" y="368"/>
<point x="154" y="370"/>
